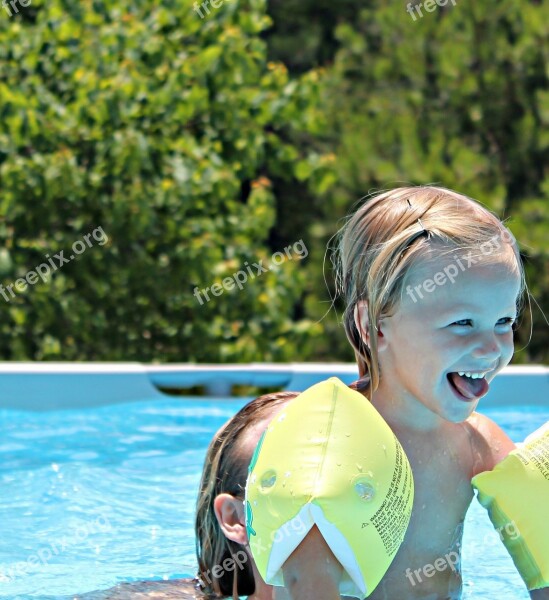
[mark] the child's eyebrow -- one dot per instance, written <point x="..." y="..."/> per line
<point x="459" y="306"/>
<point x="454" y="308"/>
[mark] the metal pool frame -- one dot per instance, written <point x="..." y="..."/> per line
<point x="42" y="386"/>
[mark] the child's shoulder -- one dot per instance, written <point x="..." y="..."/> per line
<point x="490" y="444"/>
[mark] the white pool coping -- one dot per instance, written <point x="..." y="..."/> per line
<point x="49" y="385"/>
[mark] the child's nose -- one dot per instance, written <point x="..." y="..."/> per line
<point x="487" y="347"/>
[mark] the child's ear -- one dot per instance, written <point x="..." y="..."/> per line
<point x="229" y="512"/>
<point x="362" y="321"/>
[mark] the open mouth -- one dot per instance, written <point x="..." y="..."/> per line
<point x="468" y="386"/>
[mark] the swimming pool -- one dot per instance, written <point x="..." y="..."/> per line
<point x="104" y="492"/>
<point x="92" y="497"/>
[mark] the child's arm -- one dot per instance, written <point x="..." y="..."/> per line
<point x="515" y="494"/>
<point x="491" y="444"/>
<point x="312" y="572"/>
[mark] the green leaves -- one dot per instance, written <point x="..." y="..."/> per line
<point x="200" y="152"/>
<point x="163" y="129"/>
<point x="457" y="97"/>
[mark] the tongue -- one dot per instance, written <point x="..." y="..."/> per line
<point x="470" y="388"/>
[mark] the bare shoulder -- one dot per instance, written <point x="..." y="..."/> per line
<point x="489" y="442"/>
<point x="177" y="589"/>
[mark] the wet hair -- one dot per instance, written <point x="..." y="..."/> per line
<point x="225" y="471"/>
<point x="396" y="230"/>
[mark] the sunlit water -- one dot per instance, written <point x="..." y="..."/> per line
<point x="90" y="498"/>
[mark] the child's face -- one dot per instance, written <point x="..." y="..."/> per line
<point x="464" y="326"/>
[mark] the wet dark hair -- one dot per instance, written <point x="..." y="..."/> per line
<point x="225" y="471"/>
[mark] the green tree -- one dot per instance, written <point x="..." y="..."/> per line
<point x="164" y="129"/>
<point x="457" y="97"/>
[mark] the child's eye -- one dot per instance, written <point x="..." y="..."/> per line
<point x="466" y="322"/>
<point x="508" y="321"/>
<point x="462" y="322"/>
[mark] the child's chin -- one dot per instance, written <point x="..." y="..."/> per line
<point x="459" y="414"/>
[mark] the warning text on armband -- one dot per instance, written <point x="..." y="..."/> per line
<point x="391" y="518"/>
<point x="538" y="455"/>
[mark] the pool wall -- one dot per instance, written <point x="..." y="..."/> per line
<point x="42" y="386"/>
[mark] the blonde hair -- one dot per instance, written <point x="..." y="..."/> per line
<point x="388" y="235"/>
<point x="225" y="471"/>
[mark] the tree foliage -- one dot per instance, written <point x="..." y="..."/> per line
<point x="457" y="97"/>
<point x="202" y="146"/>
<point x="163" y="129"/>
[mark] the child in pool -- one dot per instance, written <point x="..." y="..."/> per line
<point x="419" y="343"/>
<point x="220" y="529"/>
<point x="432" y="283"/>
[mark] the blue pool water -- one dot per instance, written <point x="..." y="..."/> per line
<point x="90" y="498"/>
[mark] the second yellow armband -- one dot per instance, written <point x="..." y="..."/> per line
<point x="516" y="495"/>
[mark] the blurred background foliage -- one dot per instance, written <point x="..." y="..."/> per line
<point x="203" y="145"/>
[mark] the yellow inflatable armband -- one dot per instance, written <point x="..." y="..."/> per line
<point x="516" y="494"/>
<point x="328" y="458"/>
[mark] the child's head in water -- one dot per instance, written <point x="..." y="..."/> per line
<point x="219" y="525"/>
<point x="431" y="281"/>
